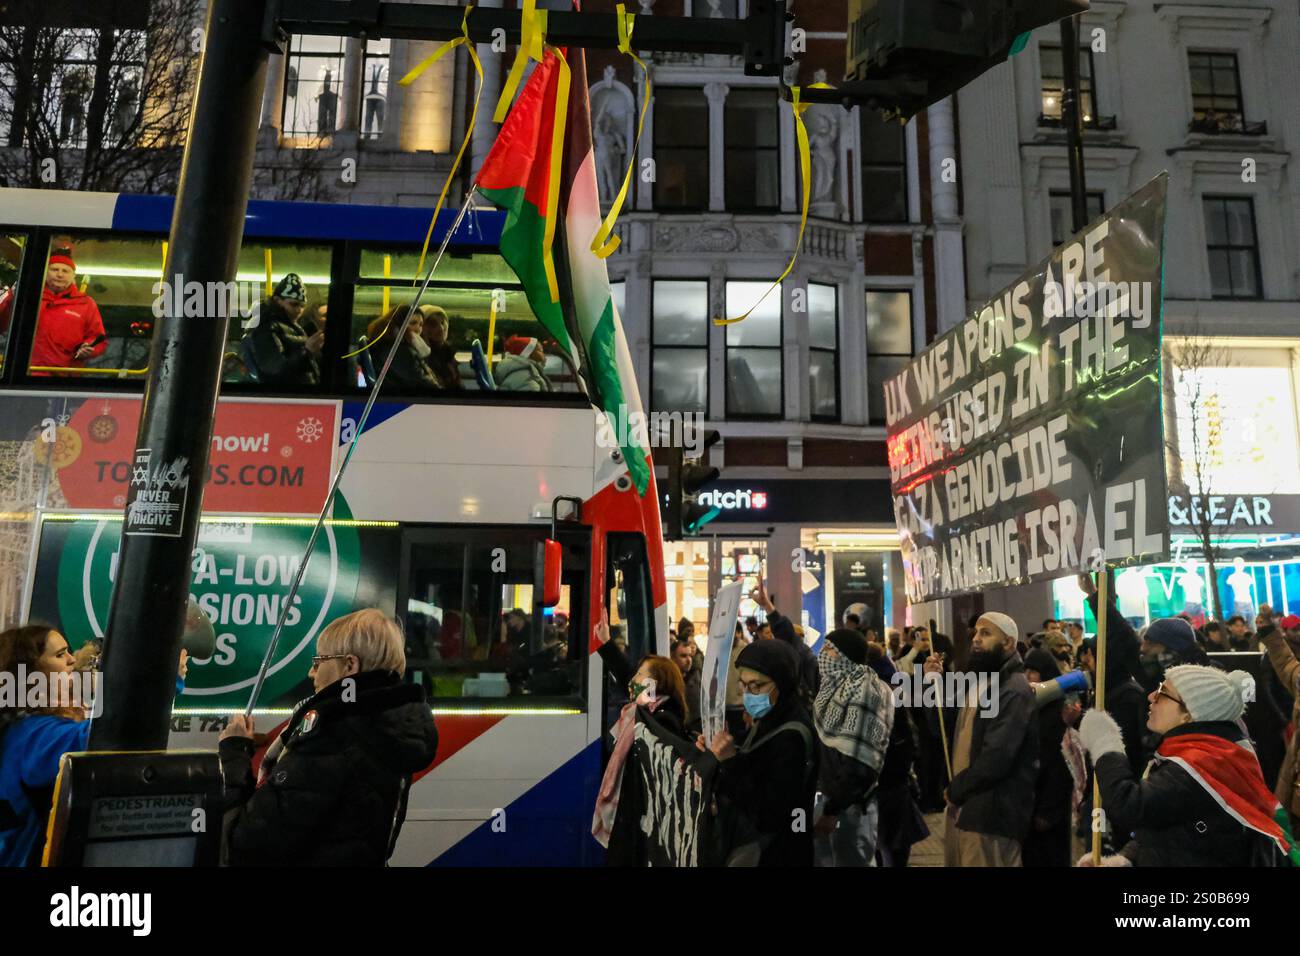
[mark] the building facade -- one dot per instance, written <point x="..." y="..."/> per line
<point x="1201" y="90"/>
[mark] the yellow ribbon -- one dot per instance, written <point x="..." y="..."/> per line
<point x="805" y="162"/>
<point x="553" y="183"/>
<point x="530" y="47"/>
<point x="410" y="78"/>
<point x="604" y="244"/>
<point x="407" y="80"/>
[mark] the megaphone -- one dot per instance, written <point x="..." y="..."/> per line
<point x="1073" y="682"/>
<point x="199" y="639"/>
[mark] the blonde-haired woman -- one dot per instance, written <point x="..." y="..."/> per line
<point x="331" y="790"/>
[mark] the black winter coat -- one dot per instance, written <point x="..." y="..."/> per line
<point x="628" y="845"/>
<point x="995" y="793"/>
<point x="336" y="795"/>
<point x="279" y="349"/>
<point x="1171" y="819"/>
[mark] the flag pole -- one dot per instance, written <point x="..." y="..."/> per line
<point x="1103" y="612"/>
<point x="398" y="338"/>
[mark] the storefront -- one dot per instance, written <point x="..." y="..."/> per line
<point x="1235" y="409"/>
<point x="821" y="545"/>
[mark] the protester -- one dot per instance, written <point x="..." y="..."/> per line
<point x="441" y="357"/>
<point x="854" y="717"/>
<point x="1282" y="644"/>
<point x="520" y="369"/>
<point x="1216" y="639"/>
<point x="779" y="627"/>
<point x="994" y="755"/>
<point x="621" y="801"/>
<point x="1240" y="636"/>
<point x="409" y="369"/>
<point x="1125" y="701"/>
<point x="1048" y="840"/>
<point x="931" y="759"/>
<point x="331" y="790"/>
<point x="34" y="739"/>
<point x="283" y="351"/>
<point x="691" y="669"/>
<point x="766" y="785"/>
<point x="69" y="329"/>
<point x="1202" y="801"/>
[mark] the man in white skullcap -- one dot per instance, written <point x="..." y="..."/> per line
<point x="994" y="752"/>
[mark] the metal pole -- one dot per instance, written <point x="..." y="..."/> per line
<point x="146" y="618"/>
<point x="1072" y="120"/>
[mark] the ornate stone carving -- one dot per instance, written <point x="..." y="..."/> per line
<point x="613" y="109"/>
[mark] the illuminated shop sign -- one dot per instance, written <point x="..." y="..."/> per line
<point x="743" y="498"/>
<point x="1224" y="511"/>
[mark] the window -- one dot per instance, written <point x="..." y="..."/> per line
<point x="262" y="347"/>
<point x="1216" y="94"/>
<point x="463" y="293"/>
<point x="823" y="345"/>
<point x="474" y="632"/>
<point x="374" y="88"/>
<point x="681" y="147"/>
<point x="714" y="8"/>
<point x="313" y="75"/>
<point x="12" y="246"/>
<point x="1061" y="209"/>
<point x="754" y="352"/>
<point x="1053" y="86"/>
<point x="100" y="324"/>
<point x="752" y="148"/>
<point x="78" y="55"/>
<point x="1233" y="247"/>
<point x="889" y="344"/>
<point x="679" y="346"/>
<point x="884" y="168"/>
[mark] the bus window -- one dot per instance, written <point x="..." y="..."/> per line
<point x="456" y="310"/>
<point x="11" y="262"/>
<point x="98" y="307"/>
<point x="277" y="325"/>
<point x="472" y="628"/>
<point x="629" y="601"/>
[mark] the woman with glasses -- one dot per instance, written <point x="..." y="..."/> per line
<point x="33" y="739"/>
<point x="657" y="689"/>
<point x="331" y="790"/>
<point x="766" y="785"/>
<point x="1202" y="800"/>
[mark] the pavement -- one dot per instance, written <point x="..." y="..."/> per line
<point x="929" y="852"/>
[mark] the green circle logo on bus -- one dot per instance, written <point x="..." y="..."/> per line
<point x="242" y="572"/>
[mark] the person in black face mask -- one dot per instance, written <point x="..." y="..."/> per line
<point x="994" y="754"/>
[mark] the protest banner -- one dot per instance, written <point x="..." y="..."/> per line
<point x="717" y="658"/>
<point x="1027" y="442"/>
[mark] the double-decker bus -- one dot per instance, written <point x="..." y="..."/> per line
<point x="448" y="492"/>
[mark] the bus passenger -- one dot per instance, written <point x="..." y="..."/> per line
<point x="34" y="739"/>
<point x="408" y="369"/>
<point x="520" y="369"/>
<point x="69" y="330"/>
<point x="331" y="790"/>
<point x="282" y="349"/>
<point x="442" y="357"/>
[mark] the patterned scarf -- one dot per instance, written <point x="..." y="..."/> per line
<point x="854" y="709"/>
<point x="623" y="732"/>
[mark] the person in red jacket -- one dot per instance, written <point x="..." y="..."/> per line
<point x="69" y="330"/>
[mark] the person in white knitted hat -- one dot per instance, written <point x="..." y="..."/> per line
<point x="1203" y="800"/>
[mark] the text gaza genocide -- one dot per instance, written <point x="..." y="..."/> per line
<point x="1084" y="350"/>
<point x="1019" y="443"/>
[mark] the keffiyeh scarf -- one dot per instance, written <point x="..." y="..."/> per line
<point x="854" y="710"/>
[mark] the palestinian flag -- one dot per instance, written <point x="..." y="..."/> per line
<point x="516" y="175"/>
<point x="1229" y="772"/>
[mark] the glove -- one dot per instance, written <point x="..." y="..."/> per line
<point x="1115" y="859"/>
<point x="1099" y="734"/>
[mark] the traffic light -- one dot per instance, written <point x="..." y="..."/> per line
<point x="913" y="53"/>
<point x="686" y="476"/>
